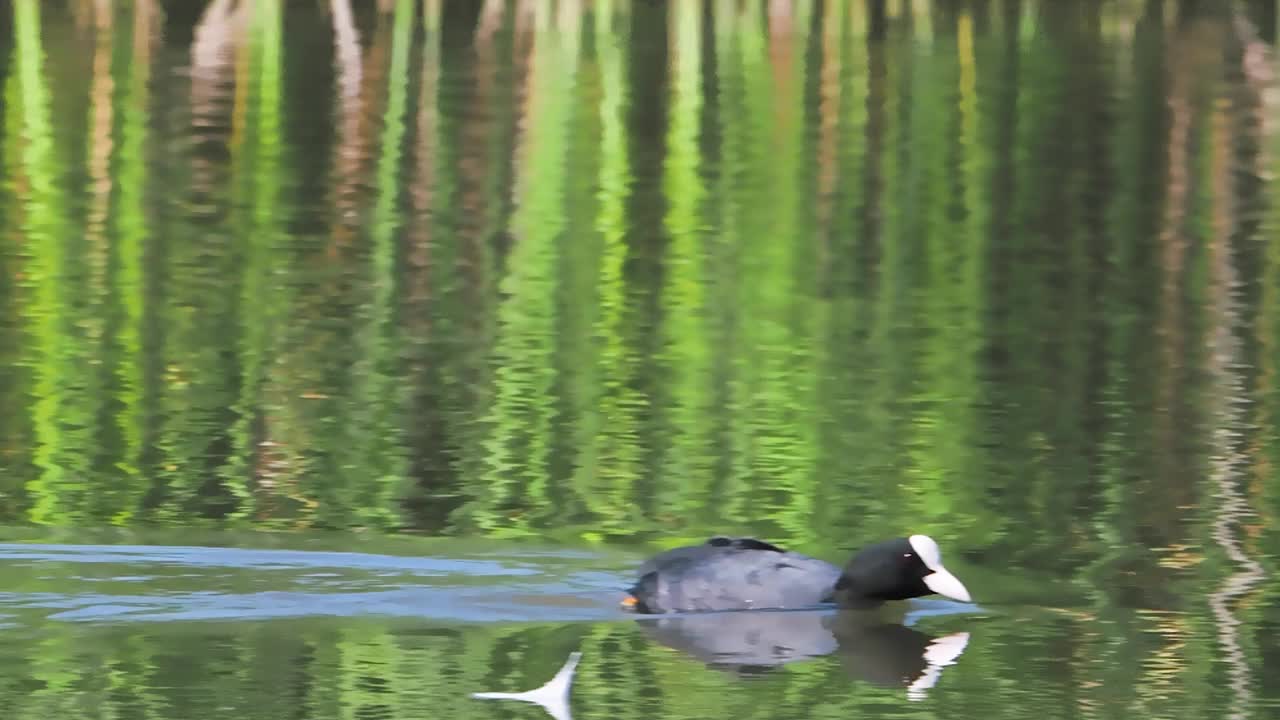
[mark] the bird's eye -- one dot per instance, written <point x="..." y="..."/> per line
<point x="906" y="555"/>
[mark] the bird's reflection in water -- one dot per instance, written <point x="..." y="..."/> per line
<point x="552" y="696"/>
<point x="869" y="646"/>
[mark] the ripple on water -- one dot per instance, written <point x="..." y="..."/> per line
<point x="102" y="584"/>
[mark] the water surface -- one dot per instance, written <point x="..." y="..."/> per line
<point x="507" y="294"/>
<point x="194" y="628"/>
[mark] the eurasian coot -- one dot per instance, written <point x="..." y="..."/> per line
<point x="749" y="574"/>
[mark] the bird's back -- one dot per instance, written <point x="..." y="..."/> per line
<point x="732" y="574"/>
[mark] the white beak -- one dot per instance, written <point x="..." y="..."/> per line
<point x="946" y="584"/>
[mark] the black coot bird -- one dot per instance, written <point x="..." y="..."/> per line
<point x="748" y="574"/>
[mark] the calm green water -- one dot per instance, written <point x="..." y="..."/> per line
<point x="352" y="354"/>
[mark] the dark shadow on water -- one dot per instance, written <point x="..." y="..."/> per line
<point x="869" y="647"/>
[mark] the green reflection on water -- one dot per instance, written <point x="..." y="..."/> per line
<point x="820" y="287"/>
<point x="1035" y="665"/>
<point x="999" y="271"/>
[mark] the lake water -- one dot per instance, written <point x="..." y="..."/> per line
<point x="353" y="354"/>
